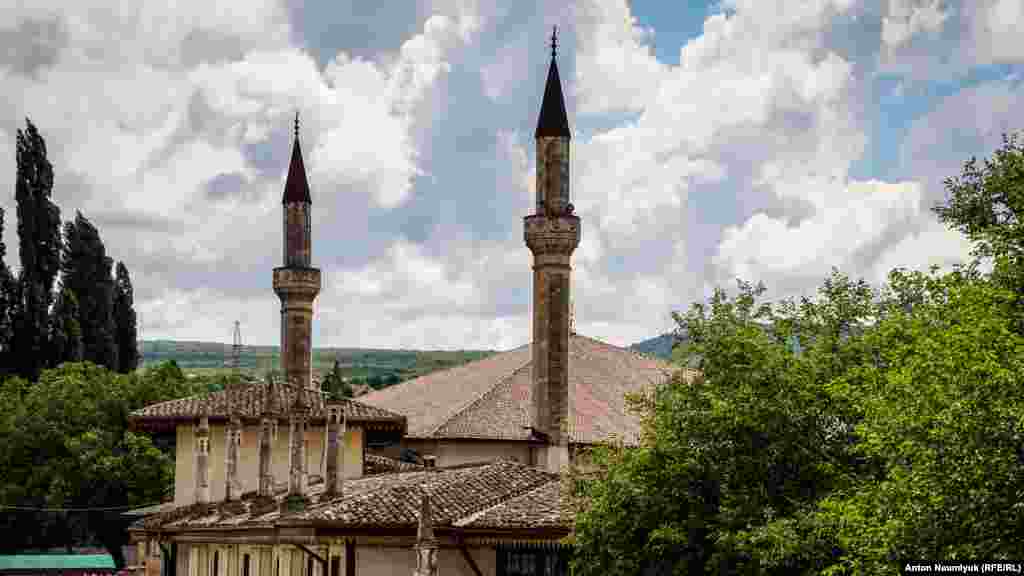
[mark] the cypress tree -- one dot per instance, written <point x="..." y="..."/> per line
<point x="125" y="322"/>
<point x="85" y="270"/>
<point x="335" y="384"/>
<point x="8" y="305"/>
<point x="39" y="246"/>
<point x="65" y="329"/>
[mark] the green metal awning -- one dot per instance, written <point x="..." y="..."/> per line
<point x="24" y="562"/>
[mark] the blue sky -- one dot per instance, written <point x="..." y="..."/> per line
<point x="674" y="24"/>
<point x="791" y="137"/>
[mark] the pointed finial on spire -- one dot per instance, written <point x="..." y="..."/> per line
<point x="553" y="120"/>
<point x="296" y="124"/>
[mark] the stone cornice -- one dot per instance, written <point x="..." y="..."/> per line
<point x="293" y="280"/>
<point x="552" y="234"/>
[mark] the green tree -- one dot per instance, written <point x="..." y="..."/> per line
<point x="894" y="432"/>
<point x="942" y="416"/>
<point x="986" y="203"/>
<point x="39" y="247"/>
<point x="8" y="306"/>
<point x="375" y="381"/>
<point x="65" y="443"/>
<point x="125" y="322"/>
<point x="86" y="271"/>
<point x="335" y="384"/>
<point x="749" y="441"/>
<point x="65" y="330"/>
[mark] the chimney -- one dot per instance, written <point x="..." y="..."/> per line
<point x="232" y="439"/>
<point x="552" y="233"/>
<point x="297" y="418"/>
<point x="426" y="544"/>
<point x="335" y="428"/>
<point x="202" y="451"/>
<point x="268" y="421"/>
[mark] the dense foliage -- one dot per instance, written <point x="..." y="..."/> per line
<point x="39" y="245"/>
<point x="335" y="384"/>
<point x="65" y="329"/>
<point x="65" y="443"/>
<point x="86" y="315"/>
<point x="843" y="434"/>
<point x="8" y="306"/>
<point x="986" y="203"/>
<point x="125" y="326"/>
<point x="85" y="270"/>
<point x="894" y="433"/>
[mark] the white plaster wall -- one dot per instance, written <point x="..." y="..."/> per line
<point x="184" y="463"/>
<point x="454" y="452"/>
<point x="351" y="461"/>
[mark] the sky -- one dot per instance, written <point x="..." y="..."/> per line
<point x="756" y="139"/>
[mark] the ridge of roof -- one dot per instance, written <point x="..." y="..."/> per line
<point x="488" y="392"/>
<point x="487" y="399"/>
<point x="383" y="500"/>
<point x="411" y="387"/>
<point x="247" y="399"/>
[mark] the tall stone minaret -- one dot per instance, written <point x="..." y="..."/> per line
<point x="552" y="234"/>
<point x="296" y="283"/>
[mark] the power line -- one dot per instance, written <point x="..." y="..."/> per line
<point x="86" y="509"/>
<point x="236" y="347"/>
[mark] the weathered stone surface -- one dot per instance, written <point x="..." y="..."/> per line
<point x="297" y="288"/>
<point x="297" y="235"/>
<point x="552" y="175"/>
<point x="297" y="281"/>
<point x="297" y="460"/>
<point x="202" y="451"/>
<point x="552" y="235"/>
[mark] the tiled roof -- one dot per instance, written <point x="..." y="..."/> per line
<point x="541" y="507"/>
<point x="248" y="400"/>
<point x="490" y="398"/>
<point x="431" y="400"/>
<point x="374" y="464"/>
<point x="479" y="495"/>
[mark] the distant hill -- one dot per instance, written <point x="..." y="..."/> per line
<point x="659" y="346"/>
<point x="362" y="366"/>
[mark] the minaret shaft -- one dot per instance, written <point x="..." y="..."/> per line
<point x="297" y="283"/>
<point x="552" y="234"/>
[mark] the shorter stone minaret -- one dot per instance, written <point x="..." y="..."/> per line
<point x="426" y="544"/>
<point x="552" y="234"/>
<point x="335" y="429"/>
<point x="202" y="451"/>
<point x="297" y="283"/>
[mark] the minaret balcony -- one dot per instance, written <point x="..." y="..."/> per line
<point x="552" y="234"/>
<point x="290" y="280"/>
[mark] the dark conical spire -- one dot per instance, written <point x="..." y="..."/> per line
<point x="553" y="120"/>
<point x="296" y="188"/>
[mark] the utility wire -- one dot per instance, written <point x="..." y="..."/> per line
<point x="87" y="509"/>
